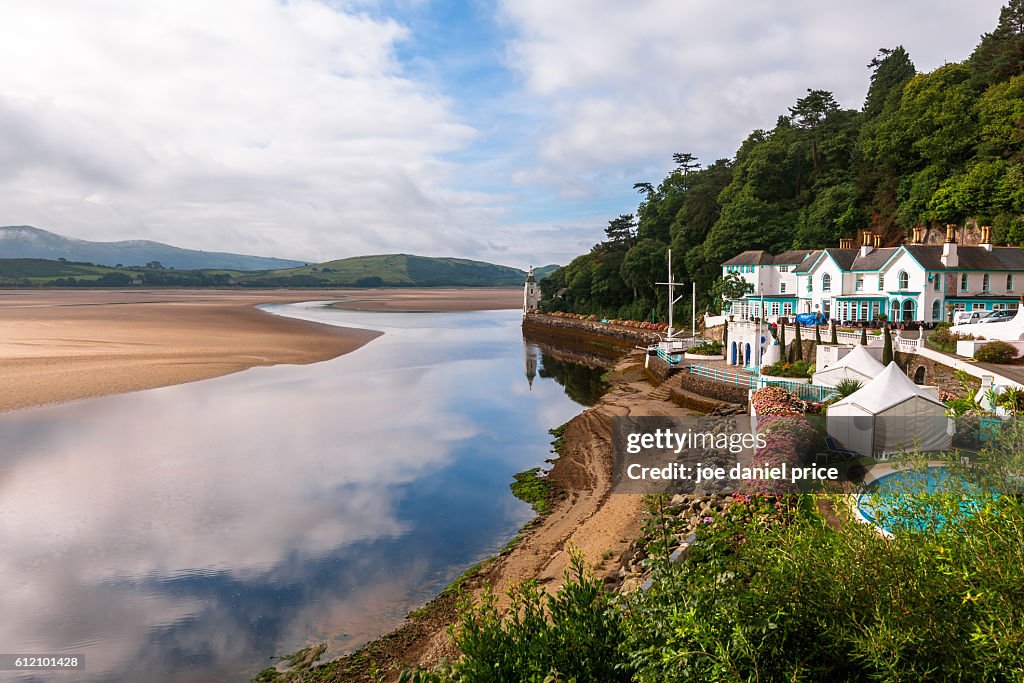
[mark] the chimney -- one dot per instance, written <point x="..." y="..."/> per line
<point x="846" y="243"/>
<point x="878" y="240"/>
<point x="950" y="259"/>
<point x="867" y="243"/>
<point x="986" y="237"/>
<point x="916" y="239"/>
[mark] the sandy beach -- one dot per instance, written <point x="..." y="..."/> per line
<point x="63" y="345"/>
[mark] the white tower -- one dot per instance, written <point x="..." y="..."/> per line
<point x="531" y="293"/>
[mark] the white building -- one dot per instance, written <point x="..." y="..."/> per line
<point x="913" y="282"/>
<point x="531" y="293"/>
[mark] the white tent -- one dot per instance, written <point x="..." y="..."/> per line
<point x="888" y="413"/>
<point x="858" y="364"/>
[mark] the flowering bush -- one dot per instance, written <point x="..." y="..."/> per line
<point x="776" y="401"/>
<point x="996" y="352"/>
<point x="797" y="426"/>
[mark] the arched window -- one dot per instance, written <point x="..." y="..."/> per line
<point x="986" y="281"/>
<point x="894" y="311"/>
<point x="904" y="279"/>
<point x="935" y="310"/>
<point x="826" y="283"/>
<point x="908" y="310"/>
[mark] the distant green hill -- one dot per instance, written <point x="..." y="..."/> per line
<point x="542" y="272"/>
<point x="391" y="270"/>
<point x="27" y="242"/>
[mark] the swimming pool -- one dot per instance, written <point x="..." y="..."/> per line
<point x="887" y="502"/>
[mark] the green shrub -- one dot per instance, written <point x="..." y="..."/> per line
<point x="996" y="352"/>
<point x="572" y="634"/>
<point x="941" y="339"/>
<point x="798" y="368"/>
<point x="708" y="348"/>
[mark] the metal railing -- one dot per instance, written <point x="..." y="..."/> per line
<point x="806" y="392"/>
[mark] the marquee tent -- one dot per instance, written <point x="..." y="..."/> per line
<point x="858" y="364"/>
<point x="888" y="413"/>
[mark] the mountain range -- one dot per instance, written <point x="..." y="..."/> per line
<point x="25" y="241"/>
<point x="33" y="257"/>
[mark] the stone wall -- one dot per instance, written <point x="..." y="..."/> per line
<point x="571" y="330"/>
<point x="934" y="373"/>
<point x="718" y="391"/>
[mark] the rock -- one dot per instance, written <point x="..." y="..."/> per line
<point x="630" y="585"/>
<point x="646" y="585"/>
<point x="680" y="554"/>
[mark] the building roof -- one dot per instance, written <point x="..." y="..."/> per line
<point x="969" y="258"/>
<point x="750" y="258"/>
<point x="850" y="259"/>
<point x="791" y="257"/>
<point x="808" y="262"/>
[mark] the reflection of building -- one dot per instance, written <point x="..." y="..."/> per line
<point x="915" y="281"/>
<point x="531" y="293"/>
<point x="530" y="361"/>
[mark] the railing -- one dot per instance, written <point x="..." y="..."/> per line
<point x="669" y="358"/>
<point x="726" y="377"/>
<point x="806" y="392"/>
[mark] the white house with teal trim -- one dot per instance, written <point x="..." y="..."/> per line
<point x="913" y="282"/>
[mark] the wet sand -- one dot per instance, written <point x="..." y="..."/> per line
<point x="63" y="345"/>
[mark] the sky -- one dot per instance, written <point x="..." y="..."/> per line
<point x="508" y="131"/>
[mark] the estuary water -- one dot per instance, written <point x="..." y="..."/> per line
<point x="189" y="533"/>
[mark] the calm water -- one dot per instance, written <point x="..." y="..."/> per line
<point x="188" y="533"/>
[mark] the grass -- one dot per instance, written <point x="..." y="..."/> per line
<point x="532" y="487"/>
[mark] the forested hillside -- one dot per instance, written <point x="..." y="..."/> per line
<point x="926" y="149"/>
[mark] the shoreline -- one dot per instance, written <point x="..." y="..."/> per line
<point x="582" y="515"/>
<point x="61" y="345"/>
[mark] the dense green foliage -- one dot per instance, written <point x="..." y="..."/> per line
<point x="924" y="149"/>
<point x="532" y="487"/>
<point x="996" y="352"/>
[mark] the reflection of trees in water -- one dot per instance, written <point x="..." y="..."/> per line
<point x="582" y="383"/>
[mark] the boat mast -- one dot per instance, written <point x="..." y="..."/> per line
<point x="672" y="299"/>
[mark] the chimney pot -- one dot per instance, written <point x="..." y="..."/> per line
<point x="950" y="233"/>
<point x="878" y="240"/>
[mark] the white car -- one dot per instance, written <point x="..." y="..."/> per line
<point x="969" y="317"/>
<point x="998" y="316"/>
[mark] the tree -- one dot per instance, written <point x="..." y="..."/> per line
<point x="834" y="341"/>
<point x="887" y="355"/>
<point x="686" y="163"/>
<point x="890" y="70"/>
<point x="642" y="264"/>
<point x="782" y="343"/>
<point x="798" y="343"/>
<point x="727" y="288"/>
<point x="863" y="336"/>
<point x="1000" y="54"/>
<point x="621" y="231"/>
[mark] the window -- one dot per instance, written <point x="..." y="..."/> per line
<point x="985" y="282"/>
<point x="904" y="279"/>
<point x="977" y="307"/>
<point x="775" y="308"/>
<point x="782" y="287"/>
<point x="1009" y="282"/>
<point x="963" y="282"/>
<point x="865" y="311"/>
<point x="810" y="283"/>
<point x="881" y="282"/>
<point x="860" y="283"/>
<point x="783" y="269"/>
<point x="874" y="310"/>
<point x="935" y="310"/>
<point x="787" y="308"/>
<point x="826" y="283"/>
<point x="936" y="281"/>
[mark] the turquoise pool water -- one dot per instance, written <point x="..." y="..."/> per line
<point x="879" y="505"/>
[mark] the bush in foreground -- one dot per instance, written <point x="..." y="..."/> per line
<point x="996" y="352"/>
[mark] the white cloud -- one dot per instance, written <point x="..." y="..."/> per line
<point x="634" y="82"/>
<point x="253" y="125"/>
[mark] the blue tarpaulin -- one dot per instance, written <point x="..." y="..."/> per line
<point x="811" y="318"/>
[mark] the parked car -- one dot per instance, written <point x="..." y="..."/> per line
<point x="968" y="317"/>
<point x="998" y="316"/>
